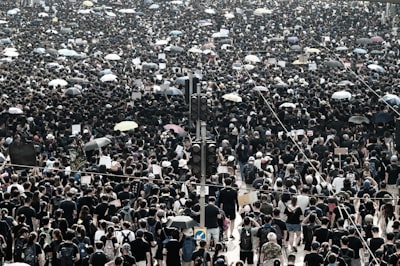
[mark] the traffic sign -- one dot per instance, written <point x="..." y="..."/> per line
<point x="200" y="233"/>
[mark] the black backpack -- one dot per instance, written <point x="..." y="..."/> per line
<point x="345" y="256"/>
<point x="30" y="254"/>
<point x="249" y="171"/>
<point x="263" y="233"/>
<point x="125" y="238"/>
<point x="67" y="255"/>
<point x="246" y="243"/>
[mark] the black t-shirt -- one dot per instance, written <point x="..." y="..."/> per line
<point x="322" y="234"/>
<point x="355" y="244"/>
<point x="211" y="212"/>
<point x="228" y="197"/>
<point x="313" y="259"/>
<point x="173" y="247"/>
<point x="29" y="213"/>
<point x="101" y="210"/>
<point x="98" y="258"/>
<point x="200" y="253"/>
<point x="128" y="260"/>
<point x="293" y="215"/>
<point x="68" y="245"/>
<point x="139" y="249"/>
<point x="68" y="207"/>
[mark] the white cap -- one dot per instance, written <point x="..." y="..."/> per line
<point x="251" y="158"/>
<point x="259" y="154"/>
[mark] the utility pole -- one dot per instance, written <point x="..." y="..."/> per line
<point x="203" y="174"/>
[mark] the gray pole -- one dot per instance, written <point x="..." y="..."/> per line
<point x="203" y="173"/>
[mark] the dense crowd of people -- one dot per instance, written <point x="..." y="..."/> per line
<point x="303" y="112"/>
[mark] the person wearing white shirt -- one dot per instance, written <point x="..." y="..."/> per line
<point x="14" y="179"/>
<point x="337" y="182"/>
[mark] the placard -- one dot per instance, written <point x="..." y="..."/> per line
<point x="341" y="151"/>
<point x="86" y="180"/>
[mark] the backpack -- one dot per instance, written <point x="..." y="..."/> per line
<point x="19" y="247"/>
<point x="246" y="243"/>
<point x="127" y="215"/>
<point x="220" y="262"/>
<point x="388" y="250"/>
<point x="109" y="249"/>
<point x="263" y="233"/>
<point x="125" y="238"/>
<point x="278" y="231"/>
<point x="66" y="255"/>
<point x="47" y="231"/>
<point x="324" y="190"/>
<point x="82" y="249"/>
<point x="188" y="246"/>
<point x="309" y="232"/>
<point x="30" y="255"/>
<point x="346" y="257"/>
<point x="201" y="260"/>
<point x="249" y="171"/>
<point x="373" y="165"/>
<point x="151" y="228"/>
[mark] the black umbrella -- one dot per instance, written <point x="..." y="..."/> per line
<point x="181" y="222"/>
<point x="333" y="63"/>
<point x="72" y="91"/>
<point x="381" y="117"/>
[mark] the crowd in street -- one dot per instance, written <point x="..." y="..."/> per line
<point x="304" y="109"/>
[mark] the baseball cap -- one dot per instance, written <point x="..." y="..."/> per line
<point x="251" y="158"/>
<point x="315" y="245"/>
<point x="126" y="246"/>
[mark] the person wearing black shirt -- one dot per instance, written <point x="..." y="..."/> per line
<point x="323" y="234"/>
<point x="201" y="254"/>
<point x="126" y="194"/>
<point x="28" y="212"/>
<point x="141" y="249"/>
<point x="228" y="201"/>
<point x="314" y="258"/>
<point x="355" y="244"/>
<point x="98" y="258"/>
<point x="67" y="244"/>
<point x="212" y="214"/>
<point x="69" y="207"/>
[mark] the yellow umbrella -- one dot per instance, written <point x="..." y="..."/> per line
<point x="87" y="3"/>
<point x="313" y="50"/>
<point x="125" y="126"/>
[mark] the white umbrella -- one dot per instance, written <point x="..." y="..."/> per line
<point x="125" y="126"/>
<point x="249" y="67"/>
<point x="232" y="97"/>
<point x="67" y="52"/>
<point x="229" y="15"/>
<point x="161" y="42"/>
<point x="262" y="11"/>
<point x="84" y="11"/>
<point x="11" y="53"/>
<point x="43" y="15"/>
<point x="13" y="11"/>
<point x="287" y="105"/>
<point x="252" y="58"/>
<point x="58" y="82"/>
<point x="127" y="11"/>
<point x="3" y="21"/>
<point x="15" y="111"/>
<point x="341" y="95"/>
<point x="108" y="77"/>
<point x="39" y="50"/>
<point x="376" y="68"/>
<point x="6" y="60"/>
<point x="154" y="6"/>
<point x="87" y="3"/>
<point x="220" y="35"/>
<point x="195" y="50"/>
<point x="112" y="57"/>
<point x="210" y="11"/>
<point x="110" y="14"/>
<point x="260" y="88"/>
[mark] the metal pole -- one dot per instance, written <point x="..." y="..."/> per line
<point x="190" y="98"/>
<point x="203" y="174"/>
<point x="198" y="108"/>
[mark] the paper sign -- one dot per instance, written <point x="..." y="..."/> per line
<point x="179" y="150"/>
<point x="282" y="63"/>
<point x="247" y="198"/>
<point x="198" y="190"/>
<point x="86" y="179"/>
<point x="105" y="160"/>
<point x="312" y="66"/>
<point x="338" y="151"/>
<point x="136" y="95"/>
<point x="162" y="65"/>
<point x="222" y="169"/>
<point x="156" y="169"/>
<point x="76" y="129"/>
<point x="272" y="61"/>
<point x="136" y="61"/>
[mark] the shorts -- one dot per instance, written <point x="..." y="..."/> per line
<point x="230" y="214"/>
<point x="213" y="233"/>
<point x="293" y="227"/>
<point x="247" y="255"/>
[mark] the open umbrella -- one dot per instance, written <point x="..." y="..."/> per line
<point x="112" y="57"/>
<point x="341" y="48"/>
<point x="176" y="128"/>
<point x="154" y="6"/>
<point x="181" y="222"/>
<point x="262" y="11"/>
<point x="381" y="117"/>
<point x="11" y="53"/>
<point x="125" y="126"/>
<point x="171" y="91"/>
<point x="360" y="51"/>
<point x="260" y="88"/>
<point x="76" y="80"/>
<point x="96" y="144"/>
<point x="293" y="39"/>
<point x="391" y="99"/>
<point x="39" y="50"/>
<point x="312" y="50"/>
<point x="295" y="47"/>
<point x="358" y="119"/>
<point x="210" y="11"/>
<point x="67" y="52"/>
<point x="252" y="58"/>
<point x="220" y="35"/>
<point x="181" y="80"/>
<point x="364" y="41"/>
<point x="72" y="91"/>
<point x="58" y="82"/>
<point x="229" y="15"/>
<point x="87" y="3"/>
<point x="150" y="66"/>
<point x="108" y="78"/>
<point x="341" y="95"/>
<point x="127" y="11"/>
<point x="345" y="83"/>
<point x="334" y="64"/>
<point x="232" y="97"/>
<point x="377" y="39"/>
<point x="176" y="32"/>
<point x="15" y="111"/>
<point x="287" y="105"/>
<point x="376" y="68"/>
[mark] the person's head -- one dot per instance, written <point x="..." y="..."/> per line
<point x="139" y="233"/>
<point x="126" y="248"/>
<point x="69" y="235"/>
<point x="315" y="245"/>
<point x="344" y="240"/>
<point x="99" y="245"/>
<point x="375" y="230"/>
<point x="119" y="261"/>
<point x="246" y="221"/>
<point x="271" y="236"/>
